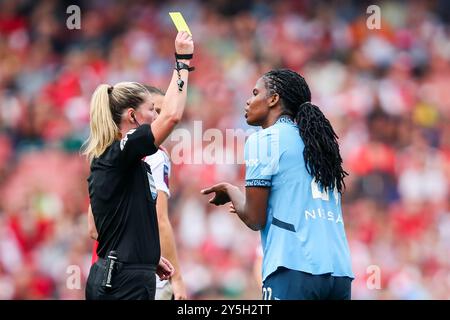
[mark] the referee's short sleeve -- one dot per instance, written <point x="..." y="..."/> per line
<point x="136" y="144"/>
<point x="262" y="157"/>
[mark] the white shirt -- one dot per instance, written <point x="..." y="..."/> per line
<point x="160" y="164"/>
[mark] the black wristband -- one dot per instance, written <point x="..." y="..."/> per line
<point x="180" y="65"/>
<point x="184" y="56"/>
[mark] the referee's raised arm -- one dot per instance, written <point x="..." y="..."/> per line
<point x="175" y="98"/>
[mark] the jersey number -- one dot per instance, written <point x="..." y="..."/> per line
<point x="324" y="195"/>
<point x="267" y="293"/>
<point x="316" y="193"/>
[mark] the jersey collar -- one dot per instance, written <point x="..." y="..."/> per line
<point x="285" y="119"/>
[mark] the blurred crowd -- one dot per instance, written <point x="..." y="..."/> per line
<point x="386" y="92"/>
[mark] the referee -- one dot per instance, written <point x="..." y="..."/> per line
<point x="294" y="180"/>
<point x="121" y="187"/>
<point x="159" y="163"/>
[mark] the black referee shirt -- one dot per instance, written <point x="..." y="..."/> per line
<point x="123" y="199"/>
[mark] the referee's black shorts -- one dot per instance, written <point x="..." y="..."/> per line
<point x="131" y="282"/>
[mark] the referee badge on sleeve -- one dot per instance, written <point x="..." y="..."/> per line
<point x="152" y="185"/>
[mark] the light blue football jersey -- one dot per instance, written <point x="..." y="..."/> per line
<point x="304" y="227"/>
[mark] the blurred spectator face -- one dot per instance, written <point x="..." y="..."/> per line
<point x="257" y="108"/>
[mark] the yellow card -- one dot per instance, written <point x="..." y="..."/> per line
<point x="179" y="22"/>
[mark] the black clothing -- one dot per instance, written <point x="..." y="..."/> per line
<point x="131" y="282"/>
<point x="123" y="199"/>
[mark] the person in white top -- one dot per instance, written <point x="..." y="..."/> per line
<point x="160" y="165"/>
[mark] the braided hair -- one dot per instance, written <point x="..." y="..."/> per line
<point x="322" y="158"/>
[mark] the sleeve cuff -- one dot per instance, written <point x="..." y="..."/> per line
<point x="258" y="183"/>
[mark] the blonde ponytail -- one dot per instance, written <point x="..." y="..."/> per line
<point x="107" y="105"/>
<point x="103" y="129"/>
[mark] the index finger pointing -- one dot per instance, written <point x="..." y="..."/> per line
<point x="207" y="190"/>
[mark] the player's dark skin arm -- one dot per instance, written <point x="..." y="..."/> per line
<point x="250" y="207"/>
